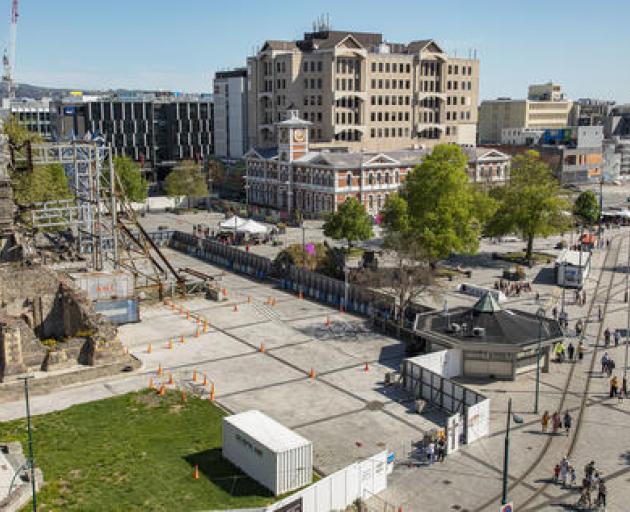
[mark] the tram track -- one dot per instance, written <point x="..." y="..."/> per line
<point x="614" y="252"/>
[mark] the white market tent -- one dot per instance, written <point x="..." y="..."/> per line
<point x="251" y="227"/>
<point x="232" y="224"/>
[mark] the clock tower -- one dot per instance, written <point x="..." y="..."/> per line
<point x="293" y="135"/>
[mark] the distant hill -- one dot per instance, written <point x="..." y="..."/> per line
<point x="37" y="92"/>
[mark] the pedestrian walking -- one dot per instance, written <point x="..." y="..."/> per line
<point x="573" y="476"/>
<point x="567" y="420"/>
<point x="583" y="297"/>
<point x="431" y="452"/>
<point x="601" y="493"/>
<point x="616" y="336"/>
<point x="554" y="312"/>
<point x="624" y="386"/>
<point x="564" y="471"/>
<point x="556" y="423"/>
<point x="581" y="350"/>
<point x="604" y="362"/>
<point x="544" y="421"/>
<point x="599" y="313"/>
<point x="570" y="351"/>
<point x="556" y="473"/>
<point x="578" y="328"/>
<point x="610" y="366"/>
<point x="606" y="337"/>
<point x="614" y="386"/>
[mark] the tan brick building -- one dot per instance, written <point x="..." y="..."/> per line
<point x="360" y="92"/>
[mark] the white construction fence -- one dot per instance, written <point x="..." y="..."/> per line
<point x="360" y="480"/>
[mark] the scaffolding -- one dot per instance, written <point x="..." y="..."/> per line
<point x="102" y="216"/>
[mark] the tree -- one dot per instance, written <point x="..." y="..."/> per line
<point x="186" y="180"/>
<point x="586" y="207"/>
<point x="134" y="186"/>
<point x="395" y="215"/>
<point x="446" y="213"/>
<point x="44" y="183"/>
<point x="531" y="203"/>
<point x="18" y="134"/>
<point x="350" y="222"/>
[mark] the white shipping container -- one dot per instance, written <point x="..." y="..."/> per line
<point x="105" y="285"/>
<point x="276" y="457"/>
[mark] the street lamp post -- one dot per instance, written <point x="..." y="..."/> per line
<point x="30" y="442"/>
<point x="345" y="283"/>
<point x="541" y="315"/>
<point x="625" y="361"/>
<point x="506" y="450"/>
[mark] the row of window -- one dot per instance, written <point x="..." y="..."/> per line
<point x="313" y="83"/>
<point x="390" y="100"/>
<point x="391" y="84"/>
<point x="348" y="84"/>
<point x="391" y="67"/>
<point x="389" y="132"/>
<point x="385" y="116"/>
<point x="454" y="69"/>
<point x="281" y="83"/>
<point x="312" y="65"/>
<point x="453" y="85"/>
<point x="350" y="102"/>
<point x="351" y="66"/>
<point x="452" y="100"/>
<point x="312" y="116"/>
<point x="451" y="130"/>
<point x="430" y="68"/>
<point x="281" y="67"/>
<point x="312" y="100"/>
<point x="452" y="116"/>
<point x="347" y="118"/>
<point x="350" y="136"/>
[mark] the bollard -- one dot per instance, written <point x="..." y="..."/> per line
<point x="194" y="377"/>
<point x="212" y="392"/>
<point x="262" y="348"/>
<point x="205" y="326"/>
<point x="196" y="473"/>
<point x="170" y="379"/>
<point x="312" y="374"/>
<point x="197" y="332"/>
<point x="159" y="370"/>
<point x="367" y="368"/>
<point x="205" y="380"/>
<point x="149" y="348"/>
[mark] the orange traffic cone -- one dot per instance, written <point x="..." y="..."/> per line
<point x="205" y="326"/>
<point x="367" y="368"/>
<point x="205" y="379"/>
<point x="262" y="348"/>
<point x="159" y="370"/>
<point x="212" y="392"/>
<point x="196" y="473"/>
<point x="162" y="390"/>
<point x="170" y="379"/>
<point x="181" y="339"/>
<point x="194" y="376"/>
<point x="312" y="374"/>
<point x="151" y="386"/>
<point x="149" y="348"/>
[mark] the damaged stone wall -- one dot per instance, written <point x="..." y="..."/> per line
<point x="36" y="304"/>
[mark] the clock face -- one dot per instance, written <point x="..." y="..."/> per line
<point x="298" y="135"/>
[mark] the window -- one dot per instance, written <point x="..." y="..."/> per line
<point x="348" y="179"/>
<point x="373" y="116"/>
<point x="370" y="202"/>
<point x="407" y="84"/>
<point x="408" y="68"/>
<point x="373" y="100"/>
<point x="373" y="83"/>
<point x="387" y="67"/>
<point x="305" y="83"/>
<point x="305" y="100"/>
<point x="380" y="67"/>
<point x="373" y="132"/>
<point x="370" y="179"/>
<point x="319" y="83"/>
<point x="386" y="84"/>
<point x="450" y="69"/>
<point x="380" y="84"/>
<point x="448" y="85"/>
<point x="313" y="66"/>
<point x="373" y="67"/>
<point x="319" y="117"/>
<point x="319" y="65"/>
<point x="386" y="100"/>
<point x="305" y="66"/>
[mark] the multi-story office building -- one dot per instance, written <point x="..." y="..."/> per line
<point x="157" y="129"/>
<point x="545" y="107"/>
<point x="230" y="113"/>
<point x="360" y="92"/>
<point x="295" y="176"/>
<point x="34" y="115"/>
<point x="590" y="112"/>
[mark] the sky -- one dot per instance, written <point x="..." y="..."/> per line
<point x="178" y="45"/>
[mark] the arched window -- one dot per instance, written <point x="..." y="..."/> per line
<point x="387" y="178"/>
<point x="379" y="202"/>
<point x="370" y="202"/>
<point x="370" y="179"/>
<point x="379" y="178"/>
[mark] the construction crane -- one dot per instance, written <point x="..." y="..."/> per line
<point x="8" y="59"/>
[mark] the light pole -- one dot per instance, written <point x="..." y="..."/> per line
<point x="30" y="442"/>
<point x="506" y="450"/>
<point x="540" y="314"/>
<point x="625" y="361"/>
<point x="345" y="286"/>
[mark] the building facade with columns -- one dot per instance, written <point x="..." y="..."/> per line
<point x="294" y="176"/>
<point x="362" y="93"/>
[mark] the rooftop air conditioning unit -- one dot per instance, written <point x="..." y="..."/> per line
<point x="455" y="328"/>
<point x="479" y="331"/>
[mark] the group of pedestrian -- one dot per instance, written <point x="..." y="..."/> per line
<point x="616" y="337"/>
<point x="556" y="422"/>
<point x="513" y="289"/>
<point x="580" y="297"/>
<point x="568" y="352"/>
<point x="592" y="483"/>
<point x="436" y="450"/>
<point x="565" y="474"/>
<point x="608" y="364"/>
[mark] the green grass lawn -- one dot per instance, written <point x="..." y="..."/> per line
<point x="136" y="452"/>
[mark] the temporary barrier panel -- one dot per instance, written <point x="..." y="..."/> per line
<point x="119" y="312"/>
<point x="104" y="285"/>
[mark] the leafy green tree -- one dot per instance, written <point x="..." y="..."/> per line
<point x="395" y="215"/>
<point x="186" y="180"/>
<point x="446" y="213"/>
<point x="586" y="207"/>
<point x="130" y="177"/>
<point x="44" y="183"/>
<point x="531" y="203"/>
<point x="350" y="222"/>
<point x="17" y="133"/>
